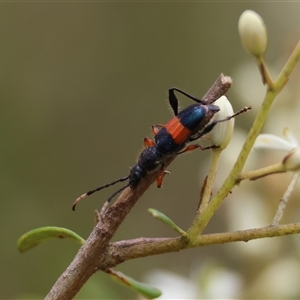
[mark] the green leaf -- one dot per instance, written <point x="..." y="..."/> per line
<point x="163" y="218"/>
<point x="40" y="235"/>
<point x="146" y="290"/>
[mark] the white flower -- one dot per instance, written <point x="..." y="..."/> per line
<point x="253" y="32"/>
<point x="291" y="161"/>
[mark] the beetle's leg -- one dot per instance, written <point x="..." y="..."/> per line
<point x="209" y="127"/>
<point x="196" y="146"/>
<point x="148" y="142"/>
<point x="160" y="178"/>
<point x="156" y="128"/>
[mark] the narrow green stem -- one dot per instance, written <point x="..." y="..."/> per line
<point x="288" y="68"/>
<point x="192" y="233"/>
<point x="262" y="172"/>
<point x="264" y="71"/>
<point x="216" y="153"/>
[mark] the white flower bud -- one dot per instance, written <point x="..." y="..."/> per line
<point x="292" y="160"/>
<point x="253" y="32"/>
<point x="222" y="132"/>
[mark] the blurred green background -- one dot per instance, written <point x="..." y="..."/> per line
<point x="81" y="84"/>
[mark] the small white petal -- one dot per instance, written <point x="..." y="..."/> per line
<point x="292" y="160"/>
<point x="270" y="141"/>
<point x="289" y="136"/>
<point x="222" y="132"/>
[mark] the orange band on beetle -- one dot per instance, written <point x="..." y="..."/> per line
<point x="178" y="132"/>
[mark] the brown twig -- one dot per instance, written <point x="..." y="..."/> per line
<point x="94" y="253"/>
<point x="218" y="89"/>
<point x="130" y="249"/>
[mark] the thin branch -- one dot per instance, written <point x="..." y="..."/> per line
<point x="218" y="89"/>
<point x="284" y="200"/>
<point x="216" y="154"/>
<point x="130" y="249"/>
<point x="262" y="172"/>
<point x="94" y="252"/>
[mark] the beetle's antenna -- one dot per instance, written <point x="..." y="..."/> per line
<point x="171" y="93"/>
<point x="105" y="205"/>
<point x="100" y="188"/>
